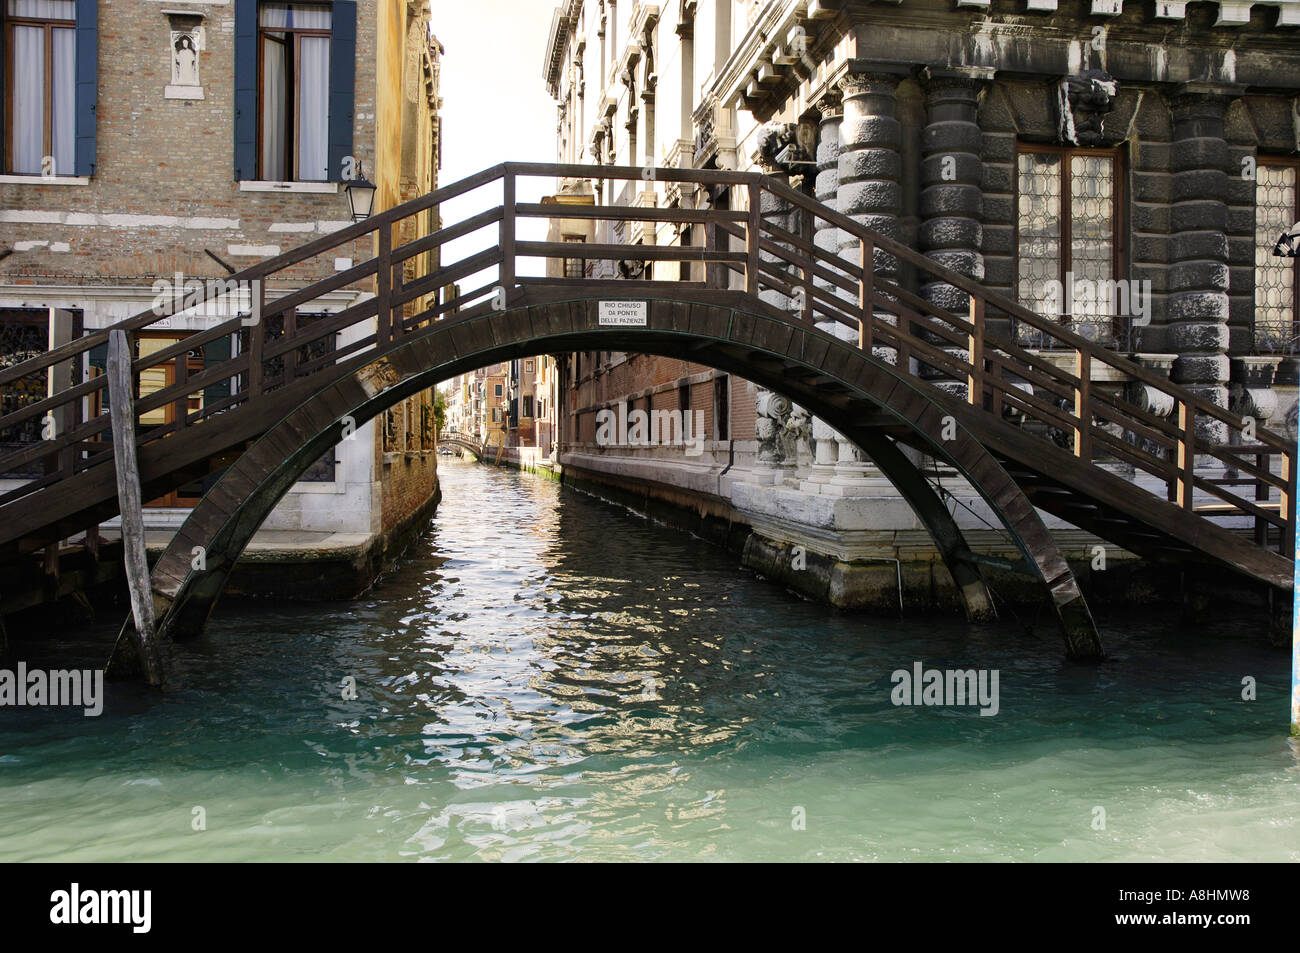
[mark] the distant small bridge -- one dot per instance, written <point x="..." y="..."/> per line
<point x="468" y="442"/>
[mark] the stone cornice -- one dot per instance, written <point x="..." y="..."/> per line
<point x="766" y="58"/>
<point x="773" y="24"/>
<point x="1231" y="12"/>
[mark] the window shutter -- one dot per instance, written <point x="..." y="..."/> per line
<point x="245" y="90"/>
<point x="87" y="82"/>
<point x="343" y="68"/>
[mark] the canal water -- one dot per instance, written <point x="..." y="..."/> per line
<point x="546" y="677"/>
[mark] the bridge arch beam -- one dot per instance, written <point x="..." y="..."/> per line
<point x="728" y="330"/>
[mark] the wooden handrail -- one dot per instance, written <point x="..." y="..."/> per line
<point x="971" y="287"/>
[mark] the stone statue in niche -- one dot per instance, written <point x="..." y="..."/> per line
<point x="185" y="59"/>
<point x="1082" y="104"/>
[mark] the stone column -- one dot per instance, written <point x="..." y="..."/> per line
<point x="870" y="166"/>
<point x="952" y="197"/>
<point x="868" y="191"/>
<point x="774" y="210"/>
<point x="1198" y="249"/>
<point x="772" y="464"/>
<point x="826" y="237"/>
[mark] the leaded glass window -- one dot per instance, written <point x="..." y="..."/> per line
<point x="1277" y="280"/>
<point x="1067" y="264"/>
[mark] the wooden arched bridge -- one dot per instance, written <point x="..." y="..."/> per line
<point x="1029" y="429"/>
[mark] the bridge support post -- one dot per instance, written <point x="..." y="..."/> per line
<point x="148" y="655"/>
<point x="1082" y="642"/>
<point x="947" y="536"/>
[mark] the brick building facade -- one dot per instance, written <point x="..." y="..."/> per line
<point x="208" y="136"/>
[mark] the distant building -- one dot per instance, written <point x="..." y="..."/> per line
<point x="494" y="429"/>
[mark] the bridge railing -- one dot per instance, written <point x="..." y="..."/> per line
<point x="462" y="439"/>
<point x="1052" y="386"/>
<point x="1058" y="384"/>
<point x="262" y="347"/>
<point x="1055" y="384"/>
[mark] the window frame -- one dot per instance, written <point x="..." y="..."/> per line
<point x="9" y="22"/>
<point x="1284" y="162"/>
<point x="1119" y="223"/>
<point x="292" y="114"/>
<point x="574" y="268"/>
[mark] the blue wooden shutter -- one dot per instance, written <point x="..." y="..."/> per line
<point x="245" y="89"/>
<point x="87" y="80"/>
<point x="343" y="68"/>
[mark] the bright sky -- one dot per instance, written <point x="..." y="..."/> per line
<point x="495" y="106"/>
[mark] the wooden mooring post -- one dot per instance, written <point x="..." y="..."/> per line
<point x="121" y="396"/>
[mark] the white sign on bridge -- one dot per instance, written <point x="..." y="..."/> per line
<point x="623" y="314"/>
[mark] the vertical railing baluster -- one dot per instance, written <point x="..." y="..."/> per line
<point x="1186" y="455"/>
<point x="72" y="419"/>
<point x="384" y="291"/>
<point x="975" y="353"/>
<point x="903" y="353"/>
<point x="1287" y="506"/>
<point x="181" y="405"/>
<point x="291" y="355"/>
<point x="256" y="334"/>
<point x="1083" y="405"/>
<point x="809" y="277"/>
<point x="753" y="224"/>
<point x="1264" y="465"/>
<point x="866" y="295"/>
<point x="508" y="231"/>
<point x="715" y="240"/>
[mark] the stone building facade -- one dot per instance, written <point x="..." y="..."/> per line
<point x="207" y="136"/>
<point x="1124" y="168"/>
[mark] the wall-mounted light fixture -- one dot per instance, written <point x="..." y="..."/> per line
<point x="1288" y="246"/>
<point x="361" y="196"/>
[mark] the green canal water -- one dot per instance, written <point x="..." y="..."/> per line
<point x="545" y="677"/>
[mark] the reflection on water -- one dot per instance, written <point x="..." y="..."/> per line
<point x="544" y="677"/>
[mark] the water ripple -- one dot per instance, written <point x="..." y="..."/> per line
<point x="544" y="678"/>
